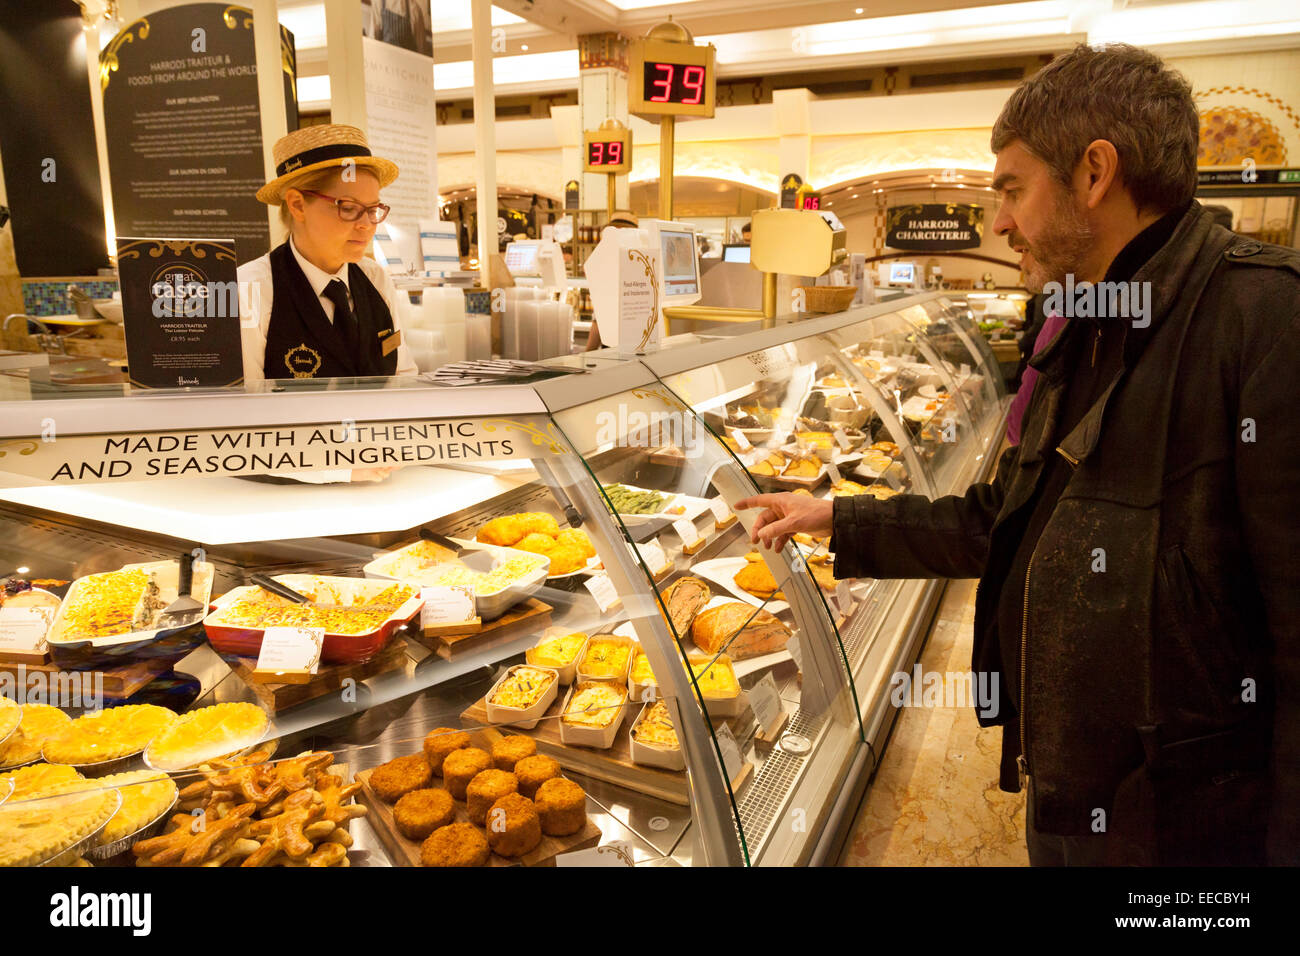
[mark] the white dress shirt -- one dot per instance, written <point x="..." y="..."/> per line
<point x="256" y="290"/>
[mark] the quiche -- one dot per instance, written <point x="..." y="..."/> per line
<point x="39" y="778"/>
<point x="34" y="831"/>
<point x="107" y="734"/>
<point x="595" y="704"/>
<point x="655" y="728"/>
<point x="523" y="688"/>
<point x="606" y="659"/>
<point x="11" y="715"/>
<point x="24" y="745"/>
<point x="111" y="602"/>
<point x="205" y="734"/>
<point x="558" y="651"/>
<point x="641" y="672"/>
<point x="715" y="677"/>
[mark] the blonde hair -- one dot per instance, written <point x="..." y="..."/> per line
<point x="318" y="180"/>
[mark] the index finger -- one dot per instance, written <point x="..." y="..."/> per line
<point x="757" y="501"/>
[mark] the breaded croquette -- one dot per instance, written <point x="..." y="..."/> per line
<point x="534" y="771"/>
<point x="395" y="779"/>
<point x="508" y="751"/>
<point x="561" y="807"/>
<point x="485" y="789"/>
<point x="513" y="827"/>
<point x="420" y="812"/>
<point x="458" y="844"/>
<point x="441" y="741"/>
<point x="462" y="766"/>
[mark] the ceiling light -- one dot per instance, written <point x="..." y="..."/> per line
<point x="523" y="46"/>
<point x="858" y="11"/>
<point x="22" y="570"/>
<point x="854" y="196"/>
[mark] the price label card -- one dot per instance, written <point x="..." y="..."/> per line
<point x="843" y="597"/>
<point x="686" y="530"/>
<point x="742" y="442"/>
<point x="22" y="629"/>
<point x="291" y="649"/>
<point x="842" y="439"/>
<point x="721" y="512"/>
<point x="730" y="751"/>
<point x="653" y="554"/>
<point x="453" y="604"/>
<point x="613" y="853"/>
<point x="765" y="701"/>
<point x="602" y="589"/>
<point x="796" y="652"/>
<point x="834" y="472"/>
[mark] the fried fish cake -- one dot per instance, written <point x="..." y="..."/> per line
<point x="513" y="827"/>
<point x="420" y="812"/>
<point x="487" y="787"/>
<point x="576" y="537"/>
<point x="462" y="766"/>
<point x="441" y="741"/>
<point x="508" y="751"/>
<point x="504" y="531"/>
<point x="534" y="771"/>
<point x="457" y="844"/>
<point x="398" y="777"/>
<point x="535" y="543"/>
<point x="539" y="522"/>
<point x="561" y="807"/>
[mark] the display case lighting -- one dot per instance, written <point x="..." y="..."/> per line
<point x="23" y="570"/>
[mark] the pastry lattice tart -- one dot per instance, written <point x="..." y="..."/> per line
<point x="11" y="715"/>
<point x="39" y="778"/>
<point x="108" y="734"/>
<point x="24" y="746"/>
<point x="37" y="829"/>
<point x="207" y="733"/>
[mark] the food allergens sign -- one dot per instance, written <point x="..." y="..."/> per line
<point x="75" y="459"/>
<point x="934" y="226"/>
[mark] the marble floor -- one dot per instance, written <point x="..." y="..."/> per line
<point x="935" y="799"/>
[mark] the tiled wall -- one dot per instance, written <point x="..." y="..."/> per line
<point x="50" y="297"/>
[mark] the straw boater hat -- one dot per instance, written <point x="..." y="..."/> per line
<point x="317" y="147"/>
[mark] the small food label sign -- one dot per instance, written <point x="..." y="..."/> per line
<point x="22" y="629"/>
<point x="180" y="309"/>
<point x="639" y="328"/>
<point x="291" y="650"/>
<point x="602" y="589"/>
<point x="451" y="604"/>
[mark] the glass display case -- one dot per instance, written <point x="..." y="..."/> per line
<point x="551" y="583"/>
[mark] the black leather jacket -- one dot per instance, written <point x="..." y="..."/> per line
<point x="1163" y="691"/>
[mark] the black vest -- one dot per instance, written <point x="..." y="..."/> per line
<point x="302" y="343"/>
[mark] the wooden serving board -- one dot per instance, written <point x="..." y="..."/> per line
<point x="404" y="852"/>
<point x="530" y="615"/>
<point x="613" y="765"/>
<point x="328" y="679"/>
<point x="118" y="682"/>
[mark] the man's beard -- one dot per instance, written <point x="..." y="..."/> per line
<point x="1061" y="249"/>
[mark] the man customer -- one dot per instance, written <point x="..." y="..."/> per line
<point x="1139" y="591"/>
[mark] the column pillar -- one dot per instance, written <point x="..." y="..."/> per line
<point x="794" y="132"/>
<point x="602" y="95"/>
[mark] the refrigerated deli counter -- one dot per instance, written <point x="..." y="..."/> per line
<point x="551" y="573"/>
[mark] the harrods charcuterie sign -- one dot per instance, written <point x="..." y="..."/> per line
<point x="55" y="459"/>
<point x="934" y="226"/>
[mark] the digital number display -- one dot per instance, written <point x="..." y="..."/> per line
<point x="812" y="201"/>
<point x="675" y="83"/>
<point x="601" y="153"/>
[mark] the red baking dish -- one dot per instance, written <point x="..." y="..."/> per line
<point x="244" y="641"/>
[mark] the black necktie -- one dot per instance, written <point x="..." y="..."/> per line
<point x="344" y="320"/>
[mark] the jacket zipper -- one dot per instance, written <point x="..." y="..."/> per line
<point x="1022" y="762"/>
<point x="1096" y="342"/>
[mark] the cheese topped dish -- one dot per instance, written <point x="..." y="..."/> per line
<point x="498" y="579"/>
<point x="559" y="651"/>
<point x="357" y="614"/>
<point x="715" y="678"/>
<point x="816" y="439"/>
<point x="655" y="729"/>
<point x="608" y="658"/>
<point x="523" y="688"/>
<point x="641" y="672"/>
<point x="105" y="604"/>
<point x="595" y="704"/>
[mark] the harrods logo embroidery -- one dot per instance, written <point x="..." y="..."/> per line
<point x="302" y="361"/>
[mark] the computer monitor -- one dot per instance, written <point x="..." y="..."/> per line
<point x="736" y="252"/>
<point x="537" y="257"/>
<point x="521" y="258"/>
<point x="902" y="273"/>
<point x="680" y="262"/>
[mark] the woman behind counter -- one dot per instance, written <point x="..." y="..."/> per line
<point x="323" y="309"/>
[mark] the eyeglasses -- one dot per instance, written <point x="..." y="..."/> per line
<point x="350" y="210"/>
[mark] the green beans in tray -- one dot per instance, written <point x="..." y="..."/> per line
<point x="630" y="501"/>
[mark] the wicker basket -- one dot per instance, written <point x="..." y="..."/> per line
<point x="827" y="298"/>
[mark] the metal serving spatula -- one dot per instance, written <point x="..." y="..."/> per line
<point x="185" y="609"/>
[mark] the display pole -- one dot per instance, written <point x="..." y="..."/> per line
<point x="667" y="131"/>
<point x="609" y="196"/>
<point x="270" y="91"/>
<point x="485" y="146"/>
<point x="91" y="37"/>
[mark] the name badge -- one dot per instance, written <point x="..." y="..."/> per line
<point x="392" y="339"/>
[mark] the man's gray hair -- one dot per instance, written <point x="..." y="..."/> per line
<point x="1119" y="93"/>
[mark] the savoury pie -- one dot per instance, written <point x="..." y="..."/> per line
<point x="33" y="831"/>
<point x="207" y="733"/>
<point x="39" y="778"/>
<point x="107" y="734"/>
<point x="146" y="796"/>
<point x="24" y="745"/>
<point x="11" y="715"/>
